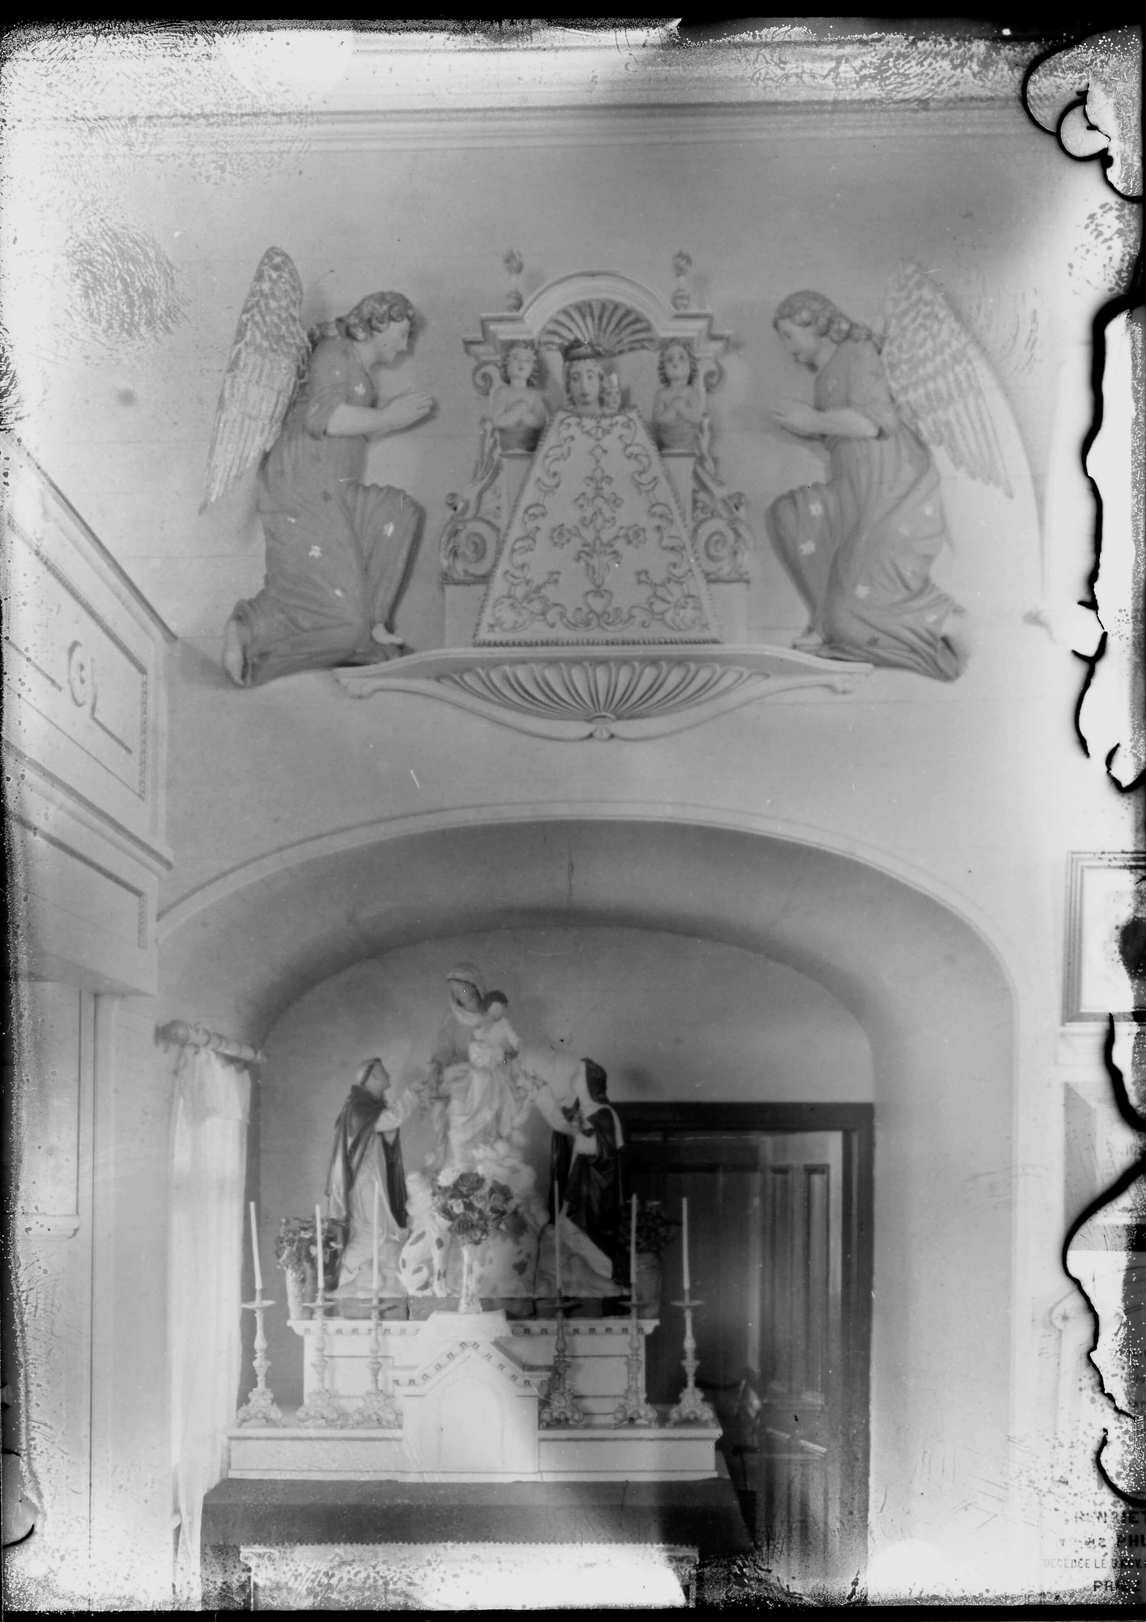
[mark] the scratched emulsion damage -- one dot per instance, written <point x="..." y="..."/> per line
<point x="1089" y="96"/>
<point x="23" y="1497"/>
<point x="96" y="279"/>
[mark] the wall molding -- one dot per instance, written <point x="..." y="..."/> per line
<point x="438" y="129"/>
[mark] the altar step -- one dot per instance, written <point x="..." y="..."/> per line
<point x="292" y="1452"/>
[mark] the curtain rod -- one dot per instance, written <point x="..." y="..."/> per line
<point x="179" y="1033"/>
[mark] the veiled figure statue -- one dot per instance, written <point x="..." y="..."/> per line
<point x="367" y="1177"/>
<point x="861" y="545"/>
<point x="586" y="1188"/>
<point x="337" y="549"/>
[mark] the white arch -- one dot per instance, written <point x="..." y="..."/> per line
<point x="1006" y="952"/>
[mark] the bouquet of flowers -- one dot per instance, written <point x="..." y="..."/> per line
<point x="654" y="1228"/>
<point x="472" y="1206"/>
<point x="296" y="1249"/>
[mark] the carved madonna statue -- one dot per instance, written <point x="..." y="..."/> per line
<point x="595" y="566"/>
<point x="589" y="521"/>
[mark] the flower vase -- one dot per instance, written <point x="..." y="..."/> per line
<point x="469" y="1300"/>
<point x="648" y="1283"/>
<point x="294" y="1292"/>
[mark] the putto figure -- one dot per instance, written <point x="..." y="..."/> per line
<point x="337" y="549"/>
<point x="517" y="408"/>
<point x="678" y="405"/>
<point x="860" y="547"/>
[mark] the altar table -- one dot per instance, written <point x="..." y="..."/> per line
<point x="470" y="1534"/>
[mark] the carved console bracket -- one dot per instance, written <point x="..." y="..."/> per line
<point x="617" y="692"/>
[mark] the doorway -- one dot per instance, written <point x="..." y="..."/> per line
<point x="780" y="1245"/>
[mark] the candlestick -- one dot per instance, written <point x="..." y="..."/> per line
<point x="633" y="1409"/>
<point x="558" y="1405"/>
<point x="691" y="1408"/>
<point x="557" y="1234"/>
<point x="378" y="1409"/>
<point x="318" y="1250"/>
<point x="684" y="1245"/>
<point x="320" y="1407"/>
<point x="260" y="1407"/>
<point x="633" y="1252"/>
<point x="374" y="1268"/>
<point x="255" y="1251"/>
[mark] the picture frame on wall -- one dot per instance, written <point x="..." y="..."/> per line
<point x="1105" y="930"/>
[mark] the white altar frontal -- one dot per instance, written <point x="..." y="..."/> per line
<point x="470" y="1398"/>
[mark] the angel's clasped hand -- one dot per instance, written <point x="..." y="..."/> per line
<point x="797" y="418"/>
<point x="404" y="410"/>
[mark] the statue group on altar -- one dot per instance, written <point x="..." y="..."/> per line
<point x="407" y="1235"/>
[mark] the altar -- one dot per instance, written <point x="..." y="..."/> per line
<point x="474" y="1440"/>
<point x="469" y="1405"/>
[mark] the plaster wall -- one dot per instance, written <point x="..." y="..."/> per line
<point x="978" y="788"/>
<point x="792" y="205"/>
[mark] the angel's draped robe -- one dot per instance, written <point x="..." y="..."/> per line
<point x="861" y="546"/>
<point x="337" y="550"/>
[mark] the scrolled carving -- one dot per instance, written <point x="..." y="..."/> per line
<point x="711" y="373"/>
<point x="486" y="375"/>
<point x="721" y="546"/>
<point x="721" y="536"/>
<point x="469" y="541"/>
<point x="468" y="548"/>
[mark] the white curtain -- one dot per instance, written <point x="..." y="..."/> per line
<point x="212" y="1103"/>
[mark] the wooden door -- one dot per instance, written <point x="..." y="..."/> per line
<point x="779" y="1216"/>
<point x="802" y="1354"/>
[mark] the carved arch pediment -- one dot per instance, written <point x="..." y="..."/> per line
<point x="619" y="314"/>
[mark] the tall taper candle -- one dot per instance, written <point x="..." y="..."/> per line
<point x="684" y="1244"/>
<point x="633" y="1252"/>
<point x="255" y="1252"/>
<point x="557" y="1232"/>
<point x="374" y="1268"/>
<point x="318" y="1249"/>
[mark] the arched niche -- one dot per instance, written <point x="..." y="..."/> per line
<point x="925" y="984"/>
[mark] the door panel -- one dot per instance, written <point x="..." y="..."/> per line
<point x="798" y="1507"/>
<point x="779" y="1224"/>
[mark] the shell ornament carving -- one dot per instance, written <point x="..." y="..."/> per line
<point x="612" y="327"/>
<point x="600" y="693"/>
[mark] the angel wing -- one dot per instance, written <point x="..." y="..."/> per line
<point x="267" y="358"/>
<point x="940" y="377"/>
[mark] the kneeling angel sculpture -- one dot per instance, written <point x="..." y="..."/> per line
<point x="304" y="406"/>
<point x="860" y="546"/>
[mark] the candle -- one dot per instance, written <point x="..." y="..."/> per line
<point x="684" y="1244"/>
<point x="557" y="1231"/>
<point x="255" y="1252"/>
<point x="633" y="1251"/>
<point x="318" y="1249"/>
<point x="374" y="1268"/>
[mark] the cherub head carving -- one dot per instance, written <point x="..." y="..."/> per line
<point x="676" y="363"/>
<point x="521" y="365"/>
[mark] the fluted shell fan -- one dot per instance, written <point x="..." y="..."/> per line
<point x="609" y="326"/>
